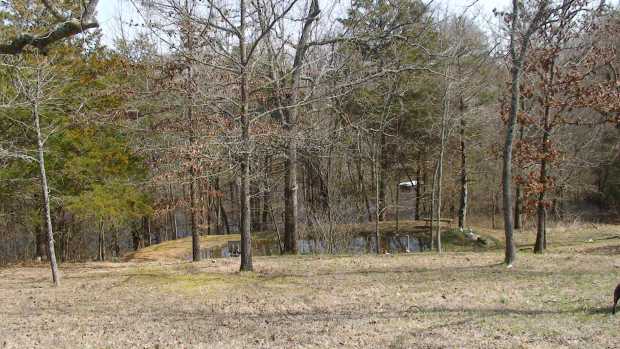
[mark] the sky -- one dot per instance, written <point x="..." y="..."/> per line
<point x="110" y="11"/>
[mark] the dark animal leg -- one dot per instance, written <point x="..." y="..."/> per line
<point x="616" y="298"/>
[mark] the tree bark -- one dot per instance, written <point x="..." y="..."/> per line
<point x="515" y="73"/>
<point x="41" y="240"/>
<point x="381" y="171"/>
<point x="266" y="195"/>
<point x="192" y="198"/>
<point x="45" y="191"/>
<point x="439" y="171"/>
<point x="172" y="214"/>
<point x="193" y="185"/>
<point x="518" y="194"/>
<point x="377" y="197"/>
<point x="464" y="191"/>
<point x="245" y="224"/>
<point x="418" y="191"/>
<point x="541" y="212"/>
<point x="422" y="196"/>
<point x="360" y="179"/>
<point x="290" y="191"/>
<point x="101" y="243"/>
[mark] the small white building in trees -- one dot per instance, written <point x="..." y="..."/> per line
<point x="407" y="186"/>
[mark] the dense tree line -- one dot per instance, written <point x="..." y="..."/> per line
<point x="299" y="117"/>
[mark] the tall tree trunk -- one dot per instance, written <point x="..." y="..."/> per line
<point x="360" y="179"/>
<point x="418" y="191"/>
<point x="245" y="224"/>
<point x="381" y="173"/>
<point x="193" y="185"/>
<point x="439" y="171"/>
<point x="266" y="194"/>
<point x="515" y="72"/>
<point x="433" y="207"/>
<point x="194" y="224"/>
<point x="464" y="193"/>
<point x="290" y="192"/>
<point x="541" y="215"/>
<point x="225" y="219"/>
<point x="46" y="199"/>
<point x="397" y="203"/>
<point x="101" y="243"/>
<point x="172" y="214"/>
<point x="377" y="198"/>
<point x="541" y="212"/>
<point x="116" y="248"/>
<point x="41" y="240"/>
<point x="518" y="194"/>
<point x="518" y="205"/>
<point x="218" y="202"/>
<point x="209" y="200"/>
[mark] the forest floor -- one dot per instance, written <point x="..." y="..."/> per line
<point x="418" y="300"/>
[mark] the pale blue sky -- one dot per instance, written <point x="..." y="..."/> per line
<point x="109" y="12"/>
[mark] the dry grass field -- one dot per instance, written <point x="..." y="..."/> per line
<point x="421" y="300"/>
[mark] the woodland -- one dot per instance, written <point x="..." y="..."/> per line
<point x="357" y="143"/>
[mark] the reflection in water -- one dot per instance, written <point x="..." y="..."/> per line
<point x="358" y="244"/>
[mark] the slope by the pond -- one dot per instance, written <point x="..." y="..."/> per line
<point x="180" y="249"/>
<point x="393" y="236"/>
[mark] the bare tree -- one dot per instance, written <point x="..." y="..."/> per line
<point x="35" y="87"/>
<point x="290" y="125"/>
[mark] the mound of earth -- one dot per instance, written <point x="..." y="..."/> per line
<point x="180" y="249"/>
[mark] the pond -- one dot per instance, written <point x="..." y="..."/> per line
<point x="357" y="244"/>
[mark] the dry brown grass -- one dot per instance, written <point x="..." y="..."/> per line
<point x="422" y="300"/>
<point x="562" y="236"/>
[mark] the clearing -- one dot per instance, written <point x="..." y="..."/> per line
<point x="418" y="300"/>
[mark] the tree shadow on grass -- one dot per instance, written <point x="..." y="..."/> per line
<point x="461" y="316"/>
<point x="389" y="270"/>
<point x="606" y="310"/>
